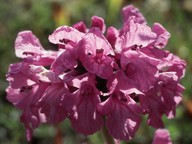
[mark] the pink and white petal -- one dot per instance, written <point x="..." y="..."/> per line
<point x="106" y="107"/>
<point x="95" y="40"/>
<point x="94" y="53"/>
<point x="27" y="45"/>
<point x="64" y="34"/>
<point x="139" y="69"/>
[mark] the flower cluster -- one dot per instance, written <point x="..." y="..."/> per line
<point x="98" y="77"/>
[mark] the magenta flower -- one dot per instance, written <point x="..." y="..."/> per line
<point x="85" y="117"/>
<point x="98" y="77"/>
<point x="96" y="54"/>
<point x="121" y="111"/>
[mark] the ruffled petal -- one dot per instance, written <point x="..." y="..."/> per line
<point x="162" y="35"/>
<point x="135" y="35"/>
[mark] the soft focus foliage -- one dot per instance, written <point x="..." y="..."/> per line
<point x="42" y="17"/>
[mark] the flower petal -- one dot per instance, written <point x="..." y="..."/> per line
<point x="99" y="23"/>
<point x="64" y="34"/>
<point x="162" y="35"/>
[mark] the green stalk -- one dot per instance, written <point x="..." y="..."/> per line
<point x="107" y="137"/>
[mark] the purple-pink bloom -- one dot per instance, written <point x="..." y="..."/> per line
<point x="112" y="34"/>
<point x="98" y="79"/>
<point x="96" y="54"/>
<point x="162" y="136"/>
<point x="121" y="111"/>
<point x="84" y="116"/>
<point x="64" y="61"/>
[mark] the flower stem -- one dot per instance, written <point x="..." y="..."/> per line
<point x="107" y="137"/>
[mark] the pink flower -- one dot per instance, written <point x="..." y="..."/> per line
<point x="98" y="80"/>
<point x="121" y="111"/>
<point x="162" y="136"/>
<point x="96" y="54"/>
<point x="112" y="34"/>
<point x="172" y="63"/>
<point x="85" y="117"/>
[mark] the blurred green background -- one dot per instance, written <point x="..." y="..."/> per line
<point x="43" y="16"/>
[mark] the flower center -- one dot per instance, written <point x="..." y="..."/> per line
<point x="130" y="70"/>
<point x="99" y="55"/>
<point x="87" y="90"/>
